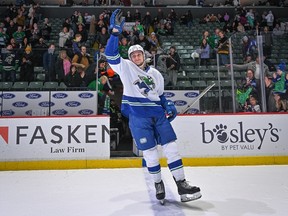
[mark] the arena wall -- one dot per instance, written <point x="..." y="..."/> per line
<point x="84" y="142"/>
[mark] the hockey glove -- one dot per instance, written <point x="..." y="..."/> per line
<point x="117" y="22"/>
<point x="170" y="110"/>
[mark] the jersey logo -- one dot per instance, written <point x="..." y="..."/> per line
<point x="146" y="83"/>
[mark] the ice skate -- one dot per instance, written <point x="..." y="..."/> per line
<point x="160" y="192"/>
<point x="187" y="192"/>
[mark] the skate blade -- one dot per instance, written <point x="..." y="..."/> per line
<point x="162" y="202"/>
<point x="191" y="197"/>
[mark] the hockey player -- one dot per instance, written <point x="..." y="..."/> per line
<point x="146" y="107"/>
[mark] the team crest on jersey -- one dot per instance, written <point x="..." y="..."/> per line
<point x="146" y="83"/>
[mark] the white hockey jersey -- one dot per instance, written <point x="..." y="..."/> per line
<point x="143" y="90"/>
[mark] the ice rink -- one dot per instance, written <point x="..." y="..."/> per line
<point x="227" y="191"/>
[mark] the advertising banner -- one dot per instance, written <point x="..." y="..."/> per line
<point x="54" y="138"/>
<point x="25" y="103"/>
<point x="73" y="103"/>
<point x="232" y="135"/>
<point x="182" y="99"/>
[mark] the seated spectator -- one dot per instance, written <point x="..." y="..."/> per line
<point x="162" y="31"/>
<point x="277" y="31"/>
<point x="99" y="54"/>
<point x="169" y="28"/>
<point x="154" y="40"/>
<point x="143" y="41"/>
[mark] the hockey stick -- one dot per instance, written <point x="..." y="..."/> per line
<point x="197" y="98"/>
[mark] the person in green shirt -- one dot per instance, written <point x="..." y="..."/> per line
<point x="123" y="48"/>
<point x="104" y="90"/>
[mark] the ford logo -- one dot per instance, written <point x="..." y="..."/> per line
<point x="169" y="94"/>
<point x="46" y="104"/>
<point x="72" y="103"/>
<point x="191" y="94"/>
<point x="180" y="103"/>
<point x="7" y="96"/>
<point x="33" y="95"/>
<point x="192" y="111"/>
<point x="86" y="95"/>
<point x="85" y="112"/>
<point x="28" y="112"/>
<point x="20" y="104"/>
<point x="60" y="112"/>
<point x="59" y="95"/>
<point x="7" y="113"/>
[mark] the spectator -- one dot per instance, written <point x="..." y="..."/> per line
<point x="270" y="20"/>
<point x="277" y="31"/>
<point x="253" y="105"/>
<point x="153" y="39"/>
<point x="4" y="38"/>
<point x="49" y="62"/>
<point x="9" y="64"/>
<point x="26" y="68"/>
<point x="19" y="35"/>
<point x="102" y="37"/>
<point x="83" y="32"/>
<point x="267" y="42"/>
<point x="11" y="29"/>
<point x="123" y="48"/>
<point x="281" y="102"/>
<point x="35" y="34"/>
<point x="81" y="60"/>
<point x="100" y="53"/>
<point x="46" y="29"/>
<point x="279" y="79"/>
<point x="76" y="44"/>
<point x="137" y="15"/>
<point x="204" y="53"/>
<point x="173" y="65"/>
<point x="63" y="65"/>
<point x="223" y="49"/>
<point x="39" y="49"/>
<point x="269" y="86"/>
<point x="73" y="78"/>
<point x="103" y="96"/>
<point x="20" y="19"/>
<point x="143" y="42"/>
<point x="254" y="65"/>
<point x="92" y="26"/>
<point x="147" y="20"/>
<point x="64" y="35"/>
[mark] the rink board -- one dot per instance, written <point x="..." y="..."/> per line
<point x="203" y="140"/>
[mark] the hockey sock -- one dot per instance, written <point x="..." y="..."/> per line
<point x="174" y="160"/>
<point x="152" y="162"/>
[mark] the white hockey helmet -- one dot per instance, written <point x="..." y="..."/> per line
<point x="134" y="48"/>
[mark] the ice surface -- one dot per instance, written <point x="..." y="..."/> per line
<point x="226" y="191"/>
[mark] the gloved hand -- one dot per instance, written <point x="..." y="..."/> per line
<point x="117" y="22"/>
<point x="170" y="110"/>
